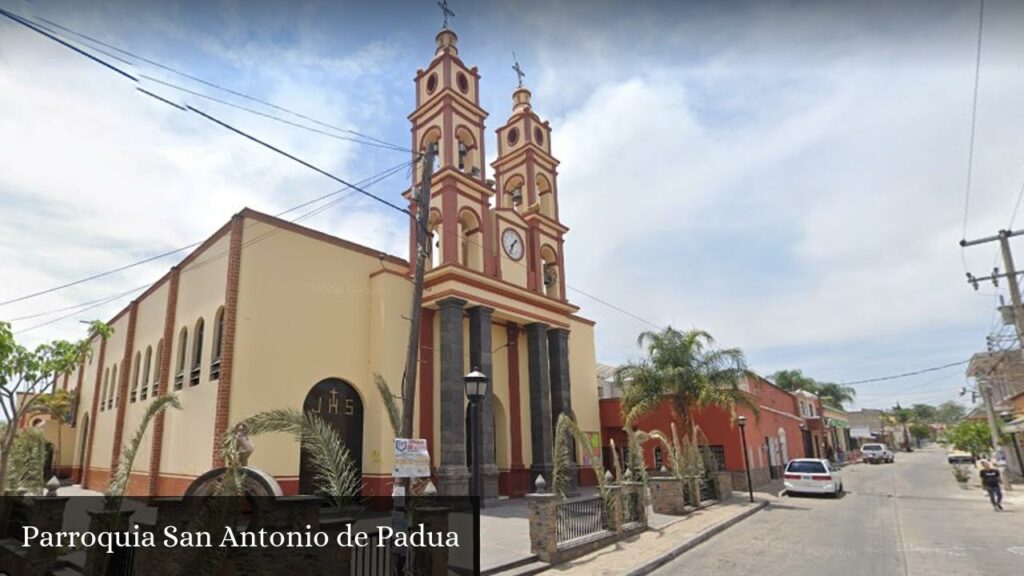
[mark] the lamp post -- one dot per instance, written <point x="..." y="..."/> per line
<point x="742" y="421"/>
<point x="476" y="389"/>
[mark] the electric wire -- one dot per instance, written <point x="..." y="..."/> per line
<point x="904" y="374"/>
<point x="93" y="42"/>
<point x="974" y="116"/>
<point x="367" y="182"/>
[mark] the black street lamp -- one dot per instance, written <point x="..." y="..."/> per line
<point x="476" y="389"/>
<point x="742" y="421"/>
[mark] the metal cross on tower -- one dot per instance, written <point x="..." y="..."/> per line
<point x="519" y="71"/>
<point x="445" y="11"/>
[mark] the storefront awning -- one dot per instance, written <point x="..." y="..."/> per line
<point x="837" y="423"/>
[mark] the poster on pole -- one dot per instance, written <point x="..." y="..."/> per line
<point x="411" y="458"/>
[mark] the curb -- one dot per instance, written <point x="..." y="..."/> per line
<point x="671" y="555"/>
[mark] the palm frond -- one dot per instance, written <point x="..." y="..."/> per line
<point x="394" y="412"/>
<point x="119" y="482"/>
<point x="562" y="457"/>
<point x="335" y="474"/>
<point x="616" y="462"/>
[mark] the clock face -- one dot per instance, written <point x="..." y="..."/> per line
<point x="512" y="242"/>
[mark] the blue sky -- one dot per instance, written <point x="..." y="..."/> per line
<point x="789" y="176"/>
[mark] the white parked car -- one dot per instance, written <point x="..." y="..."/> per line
<point x="812" y="476"/>
<point x="873" y="453"/>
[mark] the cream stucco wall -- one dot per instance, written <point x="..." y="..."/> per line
<point x="104" y="420"/>
<point x="304" y="314"/>
<point x="188" y="433"/>
<point x="149" y="327"/>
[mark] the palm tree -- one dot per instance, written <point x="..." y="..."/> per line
<point x="903" y="416"/>
<point x="57" y="405"/>
<point x="835" y="395"/>
<point x="793" y="380"/>
<point x="685" y="369"/>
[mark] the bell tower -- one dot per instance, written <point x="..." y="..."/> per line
<point x="526" y="183"/>
<point x="448" y="114"/>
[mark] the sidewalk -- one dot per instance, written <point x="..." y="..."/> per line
<point x="659" y="545"/>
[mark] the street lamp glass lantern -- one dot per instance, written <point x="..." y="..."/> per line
<point x="476" y="385"/>
<point x="741" y="420"/>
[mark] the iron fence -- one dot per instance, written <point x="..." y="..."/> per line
<point x="580" y="518"/>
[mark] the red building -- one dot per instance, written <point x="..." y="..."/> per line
<point x="774" y="436"/>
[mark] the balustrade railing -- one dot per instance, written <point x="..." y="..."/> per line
<point x="580" y="518"/>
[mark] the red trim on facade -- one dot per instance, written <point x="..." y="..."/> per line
<point x="163" y="378"/>
<point x="515" y="416"/>
<point x="222" y="413"/>
<point x="92" y="414"/>
<point x="121" y="396"/>
<point x="157" y="445"/>
<point x="426" y="403"/>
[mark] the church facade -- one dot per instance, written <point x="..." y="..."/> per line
<point x="268" y="314"/>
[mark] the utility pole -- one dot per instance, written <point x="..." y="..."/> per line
<point x="422" y="253"/>
<point x="1003" y="237"/>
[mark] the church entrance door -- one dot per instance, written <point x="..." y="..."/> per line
<point x="339" y="404"/>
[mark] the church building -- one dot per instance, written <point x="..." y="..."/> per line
<point x="268" y="314"/>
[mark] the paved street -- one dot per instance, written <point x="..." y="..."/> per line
<point x="906" y="518"/>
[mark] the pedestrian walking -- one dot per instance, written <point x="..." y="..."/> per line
<point x="991" y="482"/>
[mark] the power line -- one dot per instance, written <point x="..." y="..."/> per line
<point x="89" y="39"/>
<point x="76" y="306"/>
<point x="269" y="146"/>
<point x="262" y="114"/>
<point x="905" y="374"/>
<point x="974" y="117"/>
<point x="97" y="276"/>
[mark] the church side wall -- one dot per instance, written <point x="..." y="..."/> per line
<point x="149" y="328"/>
<point x="304" y="314"/>
<point x="188" y="433"/>
<point x="105" y="419"/>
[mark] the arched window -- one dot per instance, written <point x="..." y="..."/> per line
<point x="134" y="395"/>
<point x="112" y="391"/>
<point x="218" y="335"/>
<point x="179" y="373"/>
<point x="431" y="138"/>
<point x="545" y="196"/>
<point x="471" y="253"/>
<point x="550" y="272"/>
<point x="146" y="365"/>
<point x="156" y="367"/>
<point x="659" y="459"/>
<point x="197" y="354"/>
<point x="513" y="195"/>
<point x="103" y="389"/>
<point x="468" y="150"/>
<point x="434" y="259"/>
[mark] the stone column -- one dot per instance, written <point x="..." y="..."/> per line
<point x="452" y="475"/>
<point x="541" y="432"/>
<point x="480" y="358"/>
<point x="561" y="396"/>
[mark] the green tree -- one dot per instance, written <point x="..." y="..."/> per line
<point x="950" y="412"/>
<point x="58" y="405"/>
<point x="793" y="380"/>
<point x="920" y="431"/>
<point x="686" y="369"/>
<point x="924" y="412"/>
<point x="835" y="395"/>
<point x="970" y="436"/>
<point x="26" y="374"/>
